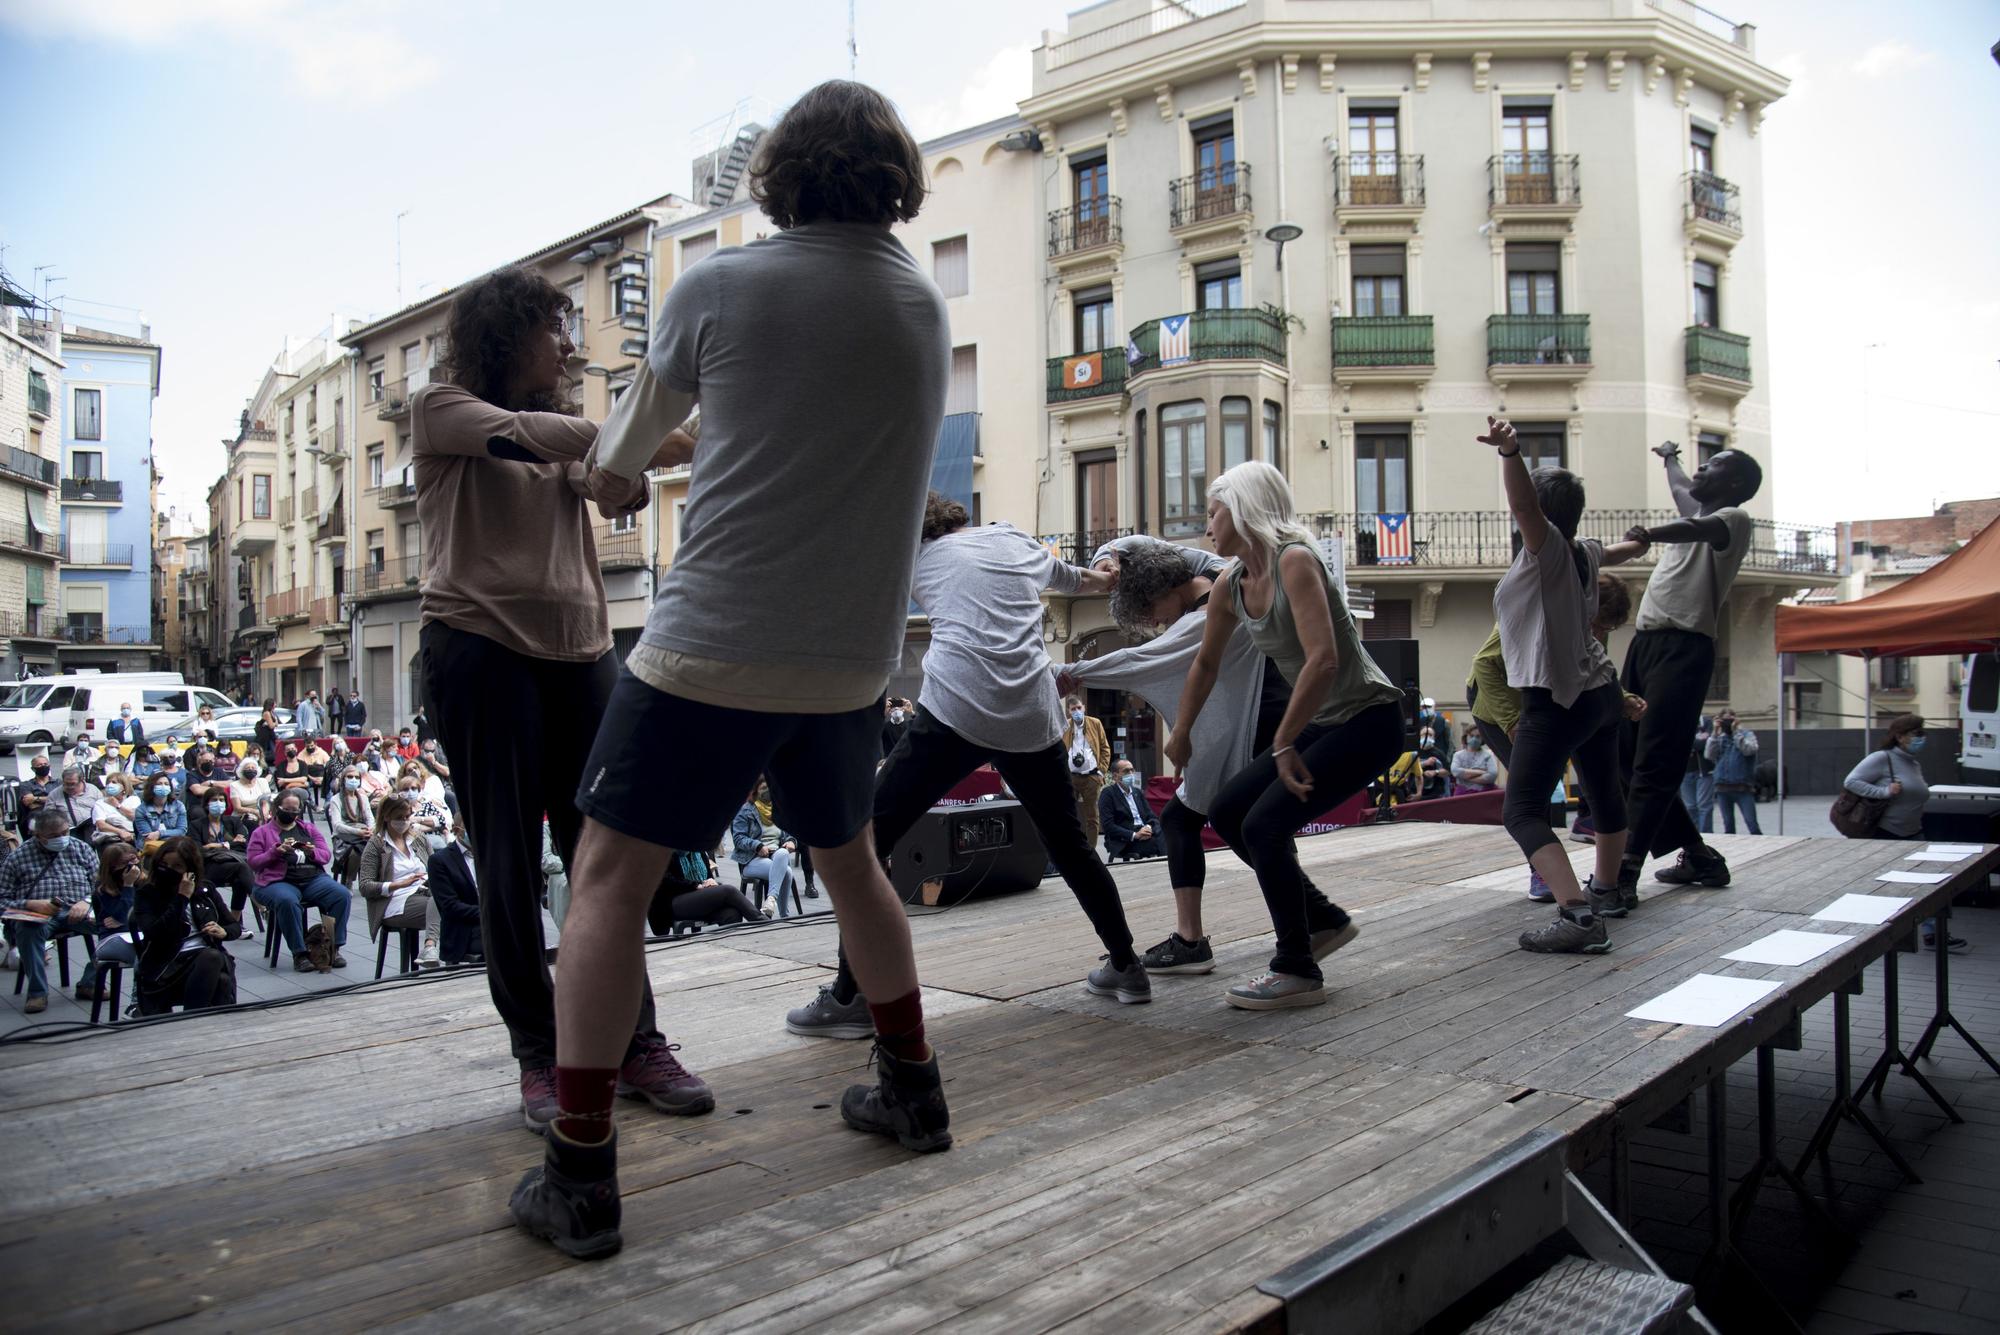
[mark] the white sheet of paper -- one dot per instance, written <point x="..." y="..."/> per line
<point x="1934" y="855"/>
<point x="1787" y="947"/>
<point x="1962" y="850"/>
<point x="1705" y="999"/>
<point x="1914" y="877"/>
<point x="1868" y="909"/>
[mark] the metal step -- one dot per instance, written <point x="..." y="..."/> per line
<point x="1583" y="1297"/>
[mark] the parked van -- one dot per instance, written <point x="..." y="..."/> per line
<point x="38" y="710"/>
<point x="160" y="700"/>
<point x="1979" y="715"/>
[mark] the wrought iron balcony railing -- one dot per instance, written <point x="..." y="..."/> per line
<point x="1378" y="180"/>
<point x="1096" y="222"/>
<point x="1209" y="194"/>
<point x="1382" y="341"/>
<point x="1529" y="180"/>
<point x="1712" y="352"/>
<point x="1538" y="340"/>
<point x="1064" y="385"/>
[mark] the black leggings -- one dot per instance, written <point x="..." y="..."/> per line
<point x="1547" y="738"/>
<point x="1257" y="816"/>
<point x="718" y="906"/>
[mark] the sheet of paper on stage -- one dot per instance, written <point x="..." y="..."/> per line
<point x="1868" y="909"/>
<point x="1787" y="947"/>
<point x="1705" y="999"/>
<point x="1935" y="855"/>
<point x="1957" y="850"/>
<point x="1915" y="877"/>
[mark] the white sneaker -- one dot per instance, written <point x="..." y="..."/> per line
<point x="247" y="934"/>
<point x="769" y="908"/>
<point x="428" y="957"/>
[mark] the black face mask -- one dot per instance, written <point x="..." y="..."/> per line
<point x="287" y="817"/>
<point x="166" y="879"/>
<point x="42" y="773"/>
<point x="208" y="767"/>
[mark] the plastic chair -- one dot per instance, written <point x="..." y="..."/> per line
<point x="111" y="975"/>
<point x="409" y="937"/>
<point x="61" y="943"/>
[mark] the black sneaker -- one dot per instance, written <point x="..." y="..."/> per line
<point x="1699" y="866"/>
<point x="572" y="1199"/>
<point x="906" y="1102"/>
<point x="1608" y="901"/>
<point x="1175" y="955"/>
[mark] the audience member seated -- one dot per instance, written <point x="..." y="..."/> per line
<point x="288" y="858"/>
<point x="1434" y="774"/>
<point x="455" y="895"/>
<point x="45" y="889"/>
<point x="224" y="840"/>
<point x="1127" y="819"/>
<point x="395" y="870"/>
<point x="1474" y="768"/>
<point x="34" y="794"/>
<point x="111" y="818"/>
<point x="429" y="784"/>
<point x="352" y="817"/>
<point x="204" y="778"/>
<point x="691" y="892"/>
<point x="182" y="926"/>
<point x="77" y="799"/>
<point x="762" y="850"/>
<point x="161" y="816"/>
<point x="430" y="818"/>
<point x="250" y="793"/>
<point x="318" y="765"/>
<point x="171" y="771"/>
<point x="291" y="777"/>
<point x="143" y="763"/>
<point x="111" y="903"/>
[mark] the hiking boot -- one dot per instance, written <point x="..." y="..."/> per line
<point x="1131" y="986"/>
<point x="1538" y="889"/>
<point x="538" y="1098"/>
<point x="572" y="1199"/>
<point x="339" y="961"/>
<point x="37" y="1003"/>
<point x="1575" y="931"/>
<point x="654" y="1074"/>
<point x="1332" y="939"/>
<point x="1179" y="955"/>
<point x="1695" y="866"/>
<point x="825" y="1016"/>
<point x="1584" y="831"/>
<point x="428" y="958"/>
<point x="1606" y="901"/>
<point x="1276" y="991"/>
<point x="86" y="992"/>
<point x="303" y="963"/>
<point x="907" y="1102"/>
<point x="1628" y="886"/>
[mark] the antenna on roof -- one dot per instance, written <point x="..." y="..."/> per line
<point x="852" y="51"/>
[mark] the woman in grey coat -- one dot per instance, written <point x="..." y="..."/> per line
<point x="1892" y="772"/>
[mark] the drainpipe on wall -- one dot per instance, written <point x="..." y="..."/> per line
<point x="1284" y="277"/>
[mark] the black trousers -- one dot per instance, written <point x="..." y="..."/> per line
<point x="1550" y="737"/>
<point x="1258" y="816"/>
<point x="234" y="873"/>
<point x="518" y="730"/>
<point x="718" y="906"/>
<point x="1670" y="670"/>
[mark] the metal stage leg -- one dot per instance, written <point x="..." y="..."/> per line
<point x="1768" y="1161"/>
<point x="1844" y="1104"/>
<point x="1722" y="1254"/>
<point x="1892" y="1052"/>
<point x="1944" y="1016"/>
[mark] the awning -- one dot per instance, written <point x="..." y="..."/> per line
<point x="291" y="658"/>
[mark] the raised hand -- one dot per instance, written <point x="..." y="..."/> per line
<point x="1500" y="435"/>
<point x="1667" y="449"/>
<point x="1637" y="533"/>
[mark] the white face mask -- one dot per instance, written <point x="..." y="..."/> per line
<point x="896" y="716"/>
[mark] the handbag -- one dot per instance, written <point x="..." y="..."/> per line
<point x="1856" y="816"/>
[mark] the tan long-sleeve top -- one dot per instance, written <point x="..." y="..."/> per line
<point x="508" y="552"/>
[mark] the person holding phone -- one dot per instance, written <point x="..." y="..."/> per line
<point x="288" y="858"/>
<point x="395" y="875"/>
<point x="182" y="926"/>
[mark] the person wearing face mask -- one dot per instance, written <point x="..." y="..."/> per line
<point x="357" y="715"/>
<point x="351" y="814"/>
<point x="1474" y="769"/>
<point x="111" y="819"/>
<point x="336" y="713"/>
<point x="1434" y="774"/>
<point x="144" y="763"/>
<point x="1733" y="749"/>
<point x="288" y="857"/>
<point x="250" y="793"/>
<point x="223" y="839"/>
<point x="454" y="891"/>
<point x="50" y="878"/>
<point x="118" y="878"/>
<point x="764" y="851"/>
<point x="1891" y="773"/>
<point x="160" y="813"/>
<point x="895" y="722"/>
<point x="182" y="961"/>
<point x="1089" y="756"/>
<point x="126" y="729"/>
<point x="306" y="715"/>
<point x="202" y="779"/>
<point x="406" y="745"/>
<point x="395" y="877"/>
<point x="34" y="794"/>
<point x="1126" y="817"/>
<point x="78" y="799"/>
<point x="267" y="732"/>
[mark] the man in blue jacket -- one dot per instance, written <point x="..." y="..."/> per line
<point x="1126" y="817"/>
<point x="125" y="728"/>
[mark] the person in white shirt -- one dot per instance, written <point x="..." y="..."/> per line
<point x="1473" y="767"/>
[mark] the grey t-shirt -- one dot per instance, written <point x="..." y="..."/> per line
<point x="1199" y="561"/>
<point x="986" y="674"/>
<point x="1482" y="760"/>
<point x="1545" y="606"/>
<point x="1692" y="579"/>
<point x="820" y="358"/>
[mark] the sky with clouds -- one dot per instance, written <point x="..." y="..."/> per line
<point x="234" y="168"/>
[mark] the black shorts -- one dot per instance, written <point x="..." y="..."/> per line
<point x="673" y="771"/>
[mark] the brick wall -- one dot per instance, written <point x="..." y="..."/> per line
<point x="1955" y="523"/>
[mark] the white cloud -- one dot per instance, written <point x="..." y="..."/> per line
<point x="1886" y="60"/>
<point x="990" y="93"/>
<point x="347" y="50"/>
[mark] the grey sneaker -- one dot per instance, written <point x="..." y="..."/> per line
<point x="1332" y="939"/>
<point x="1584" y="934"/>
<point x="1608" y="901"/>
<point x="824" y="1017"/>
<point x="1175" y="955"/>
<point x="1276" y="991"/>
<point x="1131" y="986"/>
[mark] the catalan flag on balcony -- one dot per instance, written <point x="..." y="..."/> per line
<point x="1083" y="372"/>
<point x="1392" y="540"/>
<point x="1174" y="339"/>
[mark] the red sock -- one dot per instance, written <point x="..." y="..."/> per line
<point x="899" y="1027"/>
<point x="583" y="1102"/>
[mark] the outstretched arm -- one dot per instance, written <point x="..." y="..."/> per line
<point x="1700" y="528"/>
<point x="1219" y="623"/>
<point x="1677" y="480"/>
<point x="1521" y="498"/>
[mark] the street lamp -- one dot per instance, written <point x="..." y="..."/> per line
<point x="1281" y="232"/>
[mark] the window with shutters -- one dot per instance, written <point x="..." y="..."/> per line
<point x="1534" y="279"/>
<point x="695" y="249"/>
<point x="951" y="266"/>
<point x="963" y="395"/>
<point x="1707" y="296"/>
<point x="1218" y="286"/>
<point x="1390" y="622"/>
<point x="1543" y="444"/>
<point x="1378" y="279"/>
<point x="1183" y="469"/>
<point x="1235" y="432"/>
<point x="1096" y="330"/>
<point x="1382" y="470"/>
<point x="1274" y="430"/>
<point x="89" y="414"/>
<point x="1707" y="445"/>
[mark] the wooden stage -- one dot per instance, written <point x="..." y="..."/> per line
<point x="345" y="1163"/>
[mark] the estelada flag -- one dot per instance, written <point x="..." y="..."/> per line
<point x="1083" y="372"/>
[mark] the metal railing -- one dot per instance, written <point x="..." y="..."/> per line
<point x="1163" y="18"/>
<point x="1526" y="180"/>
<point x="394" y="401"/>
<point x="326" y="612"/>
<point x="1077" y="547"/>
<point x="388" y="580"/>
<point x="1111" y="382"/>
<point x="101" y="489"/>
<point x="1217" y="336"/>
<point x="1718" y="680"/>
<point x="1086" y="226"/>
<point x="22" y="538"/>
<point x="1710" y="22"/>
<point x="309" y="505"/>
<point x="116" y="554"/>
<point x="333" y="526"/>
<point x="1712" y="199"/>
<point x="1486" y="540"/>
<point x="285" y="606"/>
<point x="1538" y="340"/>
<point x="1211" y="193"/>
<point x="246" y="619"/>
<point x="28" y="625"/>
<point x="91" y="632"/>
<point x="1383" y="340"/>
<point x="28" y="466"/>
<point x="620" y="549"/>
<point x="394" y="493"/>
<point x="1364" y="180"/>
<point x="1713" y="352"/>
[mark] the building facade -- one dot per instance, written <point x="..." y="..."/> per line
<point x="111" y="378"/>
<point x="243" y="516"/>
<point x="31" y="405"/>
<point x="306" y="571"/>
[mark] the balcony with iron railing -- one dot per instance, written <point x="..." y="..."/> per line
<point x="309" y="505"/>
<point x="81" y="630"/>
<point x="1076" y="382"/>
<point x="1371" y="184"/>
<point x="1078" y="546"/>
<point x="1249" y="335"/>
<point x="393" y="405"/>
<point x="1711" y="207"/>
<point x="394" y="494"/>
<point x="29" y="540"/>
<point x="40" y="401"/>
<point x="333" y="527"/>
<point x="100" y="555"/>
<point x="35" y="623"/>
<point x="390" y="579"/>
<point x="1553" y="342"/>
<point x="26" y="466"/>
<point x="1380" y="347"/>
<point x="1485" y="540"/>
<point x="1718" y="362"/>
<point x="286" y="607"/>
<point x="620" y="548"/>
<point x="326" y="614"/>
<point x="1085" y="229"/>
<point x="92" y="491"/>
<point x="1213" y="196"/>
<point x="1158" y="20"/>
<point x="1533" y="184"/>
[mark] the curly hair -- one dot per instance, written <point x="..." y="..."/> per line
<point x="840" y="154"/>
<point x="490" y="319"/>
<point x="1146" y="574"/>
<point x="943" y="515"/>
<point x="1614" y="602"/>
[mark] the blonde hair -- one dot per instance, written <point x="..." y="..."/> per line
<point x="1259" y="501"/>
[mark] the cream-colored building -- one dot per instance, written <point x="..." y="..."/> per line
<point x="1551" y="212"/>
<point x="243" y="515"/>
<point x="31" y="437"/>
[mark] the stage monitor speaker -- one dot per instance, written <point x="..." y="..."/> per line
<point x="1398" y="661"/>
<point x="953" y="853"/>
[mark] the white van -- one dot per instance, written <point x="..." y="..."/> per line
<point x="37" y="710"/>
<point x="1979" y="714"/>
<point x="161" y="701"/>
